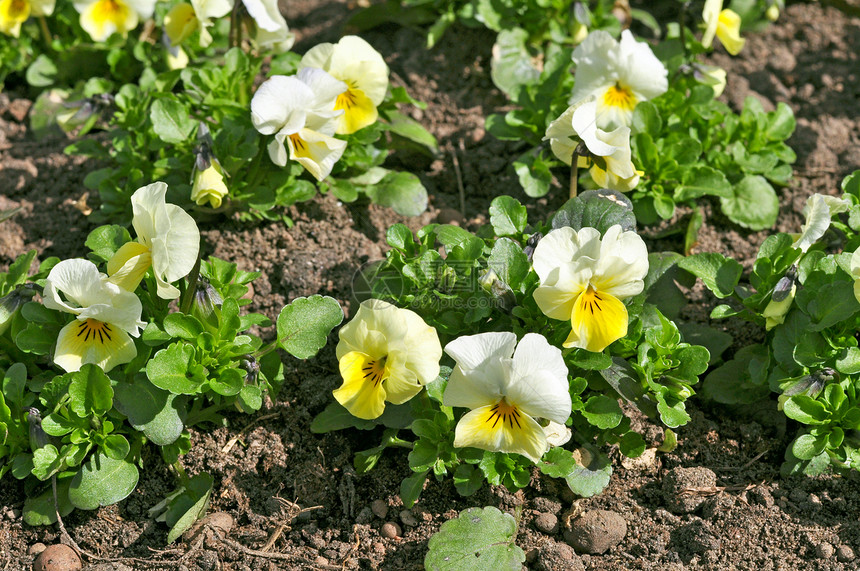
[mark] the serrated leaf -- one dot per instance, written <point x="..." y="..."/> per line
<point x="479" y="538"/>
<point x="171" y="120"/>
<point x="557" y="463"/>
<point x="304" y="324"/>
<point x="171" y="369"/>
<point x="507" y="216"/>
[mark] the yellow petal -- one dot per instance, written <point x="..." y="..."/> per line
<point x="91" y="341"/>
<point x="729" y="31"/>
<point x="12" y="14"/>
<point x="180" y="23"/>
<point x="127" y="267"/>
<point x="362" y="392"/>
<point x="501" y="428"/>
<point x="209" y="187"/>
<point x="105" y="17"/>
<point x="598" y="320"/>
<point x="358" y="111"/>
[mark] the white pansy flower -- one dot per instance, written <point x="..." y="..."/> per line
<point x="818" y="212"/>
<point x="103" y="18"/>
<point x="507" y="386"/>
<point x="168" y="241"/>
<point x="299" y="111"/>
<point x="385" y="353"/>
<point x="578" y="123"/>
<point x="13" y="13"/>
<point x="583" y="279"/>
<point x="106" y="315"/>
<point x="269" y="28"/>
<point x="618" y="75"/>
<point x="354" y="62"/>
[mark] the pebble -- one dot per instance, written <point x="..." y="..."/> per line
<point x="408" y="518"/>
<point x="844" y="554"/>
<point x="677" y="479"/>
<point x="450" y="216"/>
<point x="824" y="550"/>
<point x="596" y="531"/>
<point x="546" y="523"/>
<point x="57" y="557"/>
<point x="321" y="561"/>
<point x="378" y="548"/>
<point x="221" y="521"/>
<point x="546" y="505"/>
<point x="645" y="462"/>
<point x="390" y="530"/>
<point x="36" y="549"/>
<point x="379" y="508"/>
<point x="209" y="561"/>
<point x="556" y="556"/>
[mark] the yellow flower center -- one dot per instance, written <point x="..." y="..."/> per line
<point x="346" y="100"/>
<point x="619" y="96"/>
<point x="300" y="147"/>
<point x="374" y="371"/>
<point x="591" y="300"/>
<point x="507" y="413"/>
<point x="94" y="328"/>
<point x="16" y="10"/>
<point x="110" y="11"/>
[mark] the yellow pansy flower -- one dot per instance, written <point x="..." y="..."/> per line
<point x="724" y="24"/>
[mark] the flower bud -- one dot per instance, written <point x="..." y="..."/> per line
<point x="776" y="311"/>
<point x="38" y="437"/>
<point x="208" y="179"/>
<point x="531" y="244"/>
<point x="11" y="303"/>
<point x="205" y="305"/>
<point x="772" y="12"/>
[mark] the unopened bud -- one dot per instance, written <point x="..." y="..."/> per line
<point x="12" y="302"/>
<point x="206" y="303"/>
<point x="531" y="244"/>
<point x="251" y="367"/>
<point x="38" y="437"/>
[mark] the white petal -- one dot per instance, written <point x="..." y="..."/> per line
<point x="584" y="122"/>
<point x="78" y="279"/>
<point x="281" y="103"/>
<point x="711" y="17"/>
<point x="642" y="72"/>
<point x="266" y="14"/>
<point x="623" y="263"/>
<point x="357" y="63"/>
<point x="595" y="60"/>
<point x="538" y="382"/>
<point x="618" y="162"/>
<point x="72" y="351"/>
<point x="318" y="56"/>
<point x="176" y="245"/>
<point x="319" y="153"/>
<point x="211" y="9"/>
<point x="324" y="87"/>
<point x="479" y="376"/>
<point x="818" y="216"/>
<point x="146" y="203"/>
<point x="564" y="245"/>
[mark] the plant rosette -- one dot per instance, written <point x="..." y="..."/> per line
<point x="133" y="368"/>
<point x="807" y="301"/>
<point x="545" y="329"/>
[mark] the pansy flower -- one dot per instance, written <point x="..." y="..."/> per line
<point x="724" y="24"/>
<point x="103" y="18"/>
<point x="578" y="124"/>
<point x="105" y="316"/>
<point x="13" y="13"/>
<point x="508" y="387"/>
<point x="299" y="111"/>
<point x="618" y="74"/>
<point x="584" y="278"/>
<point x="818" y="212"/>
<point x="168" y="241"/>
<point x="269" y="29"/>
<point x="354" y="62"/>
<point x="385" y="353"/>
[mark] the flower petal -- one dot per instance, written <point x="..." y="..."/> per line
<point x="598" y="320"/>
<point x="128" y="265"/>
<point x="90" y="341"/>
<point x="78" y="279"/>
<point x="315" y="151"/>
<point x="362" y="397"/>
<point x="280" y="105"/>
<point x="729" y="31"/>
<point x="482" y="428"/>
<point x="479" y="376"/>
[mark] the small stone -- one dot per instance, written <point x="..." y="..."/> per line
<point x="379" y="508"/>
<point x="556" y="556"/>
<point x="390" y="530"/>
<point x="209" y="561"/>
<point x="320" y="561"/>
<point x="596" y="531"/>
<point x="844" y="554"/>
<point x="364" y="516"/>
<point x="681" y="484"/>
<point x="408" y="518"/>
<point x="378" y="548"/>
<point x="57" y="557"/>
<point x="546" y="523"/>
<point x="645" y="462"/>
<point x="450" y="216"/>
<point x="824" y="550"/>
<point x="36" y="549"/>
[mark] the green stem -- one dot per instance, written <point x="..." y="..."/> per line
<point x="46" y="32"/>
<point x="682" y="18"/>
<point x="580" y="151"/>
<point x="208" y="413"/>
<point x="188" y="299"/>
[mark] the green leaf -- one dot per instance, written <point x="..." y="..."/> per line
<point x="507" y="216"/>
<point x="171" y="120"/>
<point x="174" y="369"/>
<point x="116" y="446"/>
<point x="719" y="274"/>
<point x="806" y="410"/>
<point x="400" y="236"/>
<point x="42" y="72"/>
<point x="754" y="203"/>
<point x="703" y="181"/>
<point x="90" y="391"/>
<point x="400" y="191"/>
<point x="304" y="324"/>
<point x="807" y="446"/>
<point x="102" y="481"/>
<point x="408" y="128"/>
<point x="646" y="118"/>
<point x="781" y="123"/>
<point x="509" y="262"/>
<point x="189" y="506"/>
<point x="39" y="509"/>
<point x="14" y="383"/>
<point x="182" y="326"/>
<point x="512" y="67"/>
<point x="602" y="412"/>
<point x="104" y="241"/>
<point x="534" y="174"/>
<point x="467" y="479"/>
<point x="480" y="538"/>
<point x="632" y="445"/>
<point x="150" y="410"/>
<point x="411" y="487"/>
<point x="336" y="417"/>
<point x="557" y="463"/>
<point x="592" y="474"/>
<point x="599" y="209"/>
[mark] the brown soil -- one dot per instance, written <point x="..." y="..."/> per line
<point x="752" y="519"/>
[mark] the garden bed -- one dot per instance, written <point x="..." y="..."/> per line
<point x="269" y="466"/>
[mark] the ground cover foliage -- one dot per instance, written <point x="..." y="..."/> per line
<point x="304" y="397"/>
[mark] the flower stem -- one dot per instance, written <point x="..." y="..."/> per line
<point x="580" y="151"/>
<point x="682" y="18"/>
<point x="46" y="32"/>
